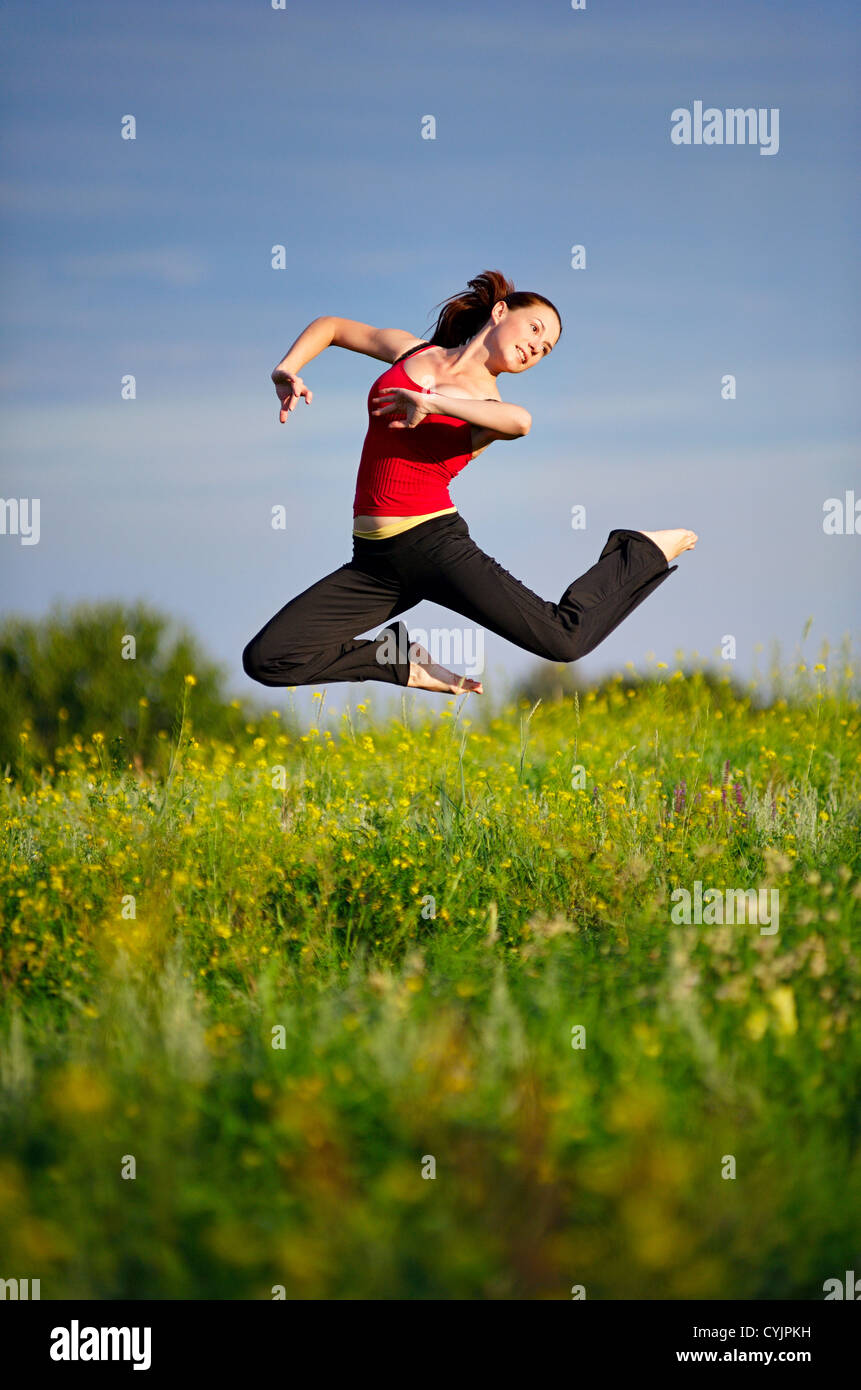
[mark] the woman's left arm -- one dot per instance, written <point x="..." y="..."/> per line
<point x="482" y="439"/>
<point x="507" y="421"/>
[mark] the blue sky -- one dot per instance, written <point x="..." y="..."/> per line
<point x="258" y="126"/>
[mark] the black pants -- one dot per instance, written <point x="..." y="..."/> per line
<point x="311" y="640"/>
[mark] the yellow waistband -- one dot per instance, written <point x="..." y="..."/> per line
<point x="394" y="528"/>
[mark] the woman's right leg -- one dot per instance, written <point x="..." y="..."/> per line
<point x="312" y="640"/>
<point x="447" y="567"/>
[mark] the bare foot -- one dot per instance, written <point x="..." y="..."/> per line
<point x="428" y="675"/>
<point x="673" y="542"/>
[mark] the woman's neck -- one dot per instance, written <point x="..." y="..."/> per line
<point x="470" y="360"/>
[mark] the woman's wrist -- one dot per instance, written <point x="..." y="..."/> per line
<point x="283" y="370"/>
<point x="311" y="342"/>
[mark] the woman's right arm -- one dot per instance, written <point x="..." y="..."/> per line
<point x="329" y="331"/>
<point x="310" y="343"/>
<point x="289" y="386"/>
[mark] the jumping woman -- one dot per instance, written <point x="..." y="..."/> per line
<point x="409" y="540"/>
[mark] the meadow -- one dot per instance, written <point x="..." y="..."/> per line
<point x="395" y="1008"/>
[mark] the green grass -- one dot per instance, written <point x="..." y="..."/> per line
<point x="427" y="907"/>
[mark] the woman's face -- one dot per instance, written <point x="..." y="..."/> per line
<point x="522" y="337"/>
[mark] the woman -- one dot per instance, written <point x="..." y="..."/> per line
<point x="409" y="540"/>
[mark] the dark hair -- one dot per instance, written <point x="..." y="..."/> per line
<point x="464" y="314"/>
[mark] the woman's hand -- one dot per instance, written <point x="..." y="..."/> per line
<point x="408" y="408"/>
<point x="290" y="388"/>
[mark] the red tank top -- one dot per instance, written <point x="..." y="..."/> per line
<point x="407" y="472"/>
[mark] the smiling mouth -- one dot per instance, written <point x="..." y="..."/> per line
<point x="522" y="353"/>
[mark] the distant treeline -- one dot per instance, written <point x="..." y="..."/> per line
<point x="121" y="670"/>
<point x="104" y="667"/>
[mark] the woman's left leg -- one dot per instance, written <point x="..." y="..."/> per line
<point x="450" y="569"/>
<point x="312" y="638"/>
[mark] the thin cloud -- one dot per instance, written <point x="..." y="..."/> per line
<point x="172" y="266"/>
<point x="75" y="200"/>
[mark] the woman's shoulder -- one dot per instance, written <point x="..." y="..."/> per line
<point x="419" y="343"/>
